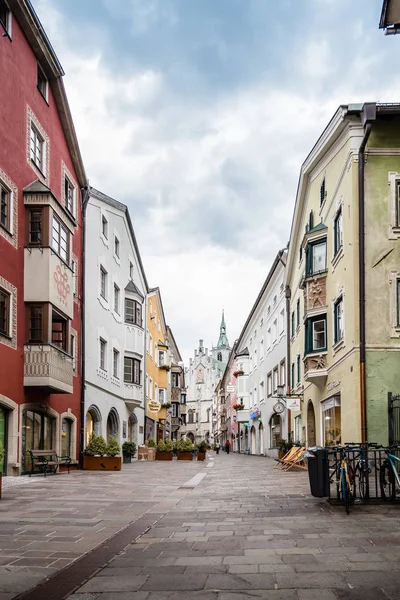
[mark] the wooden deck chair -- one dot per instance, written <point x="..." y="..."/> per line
<point x="292" y="458"/>
<point x="299" y="461"/>
<point x="282" y="461"/>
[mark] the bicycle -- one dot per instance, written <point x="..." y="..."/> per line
<point x="389" y="476"/>
<point x="346" y="481"/>
<point x="362" y="470"/>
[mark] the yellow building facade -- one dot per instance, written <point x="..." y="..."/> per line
<point x="157" y="367"/>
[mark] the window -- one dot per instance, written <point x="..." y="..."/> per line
<point x="131" y="370"/>
<point x="104" y="226"/>
<point x="103" y="351"/>
<point x="116" y="246"/>
<point x="338" y="232"/>
<point x="161" y="358"/>
<point x="42" y="82"/>
<point x="316" y="258"/>
<point x="298" y="369"/>
<point x="269" y="384"/>
<point x="331" y="414"/>
<point x="131" y="270"/>
<point x="37" y="148"/>
<point x="5" y="211"/>
<point x="269" y="338"/>
<point x="275" y="379"/>
<point x="292" y="376"/>
<point x="59" y="331"/>
<point x="298" y="313"/>
<point x="398" y="302"/>
<point x="175" y="411"/>
<point x="116" y="363"/>
<point x="292" y="322"/>
<point x="116" y="298"/>
<point x="73" y="351"/>
<point x="69" y="195"/>
<point x="133" y="312"/>
<point x="282" y="374"/>
<point x="35" y="226"/>
<point x="35" y="324"/>
<point x="175" y="379"/>
<point x="219" y="356"/>
<point x="300" y="253"/>
<point x="339" y="321"/>
<point x="298" y="434"/>
<point x="311" y="220"/>
<point x="103" y="283"/>
<point x="322" y="193"/>
<point x="151" y="345"/>
<point x="261" y="322"/>
<point x="5" y="16"/>
<point x="398" y="204"/>
<point x="66" y="437"/>
<point x="60" y="239"/>
<point x="261" y="391"/>
<point x="315" y="335"/>
<point x="4" y="313"/>
<point x="162" y="396"/>
<point x="191" y="416"/>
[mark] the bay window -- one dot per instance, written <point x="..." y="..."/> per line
<point x="315" y="338"/>
<point x="60" y="239"/>
<point x="131" y="370"/>
<point x="133" y="312"/>
<point x="316" y="257"/>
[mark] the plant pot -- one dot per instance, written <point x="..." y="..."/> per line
<point x="1" y="482"/>
<point x="164" y="455"/>
<point x="185" y="455"/>
<point x="201" y="456"/>
<point x="102" y="463"/>
<point x="126" y="458"/>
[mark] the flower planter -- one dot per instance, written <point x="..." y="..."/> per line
<point x="184" y="455"/>
<point x="126" y="458"/>
<point x="164" y="455"/>
<point x="102" y="463"/>
<point x="201" y="456"/>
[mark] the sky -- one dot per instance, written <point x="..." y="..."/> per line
<point x="198" y="114"/>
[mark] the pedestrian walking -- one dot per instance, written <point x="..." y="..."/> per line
<point x="227" y="446"/>
<point x="217" y="447"/>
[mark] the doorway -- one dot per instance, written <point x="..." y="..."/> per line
<point x="37" y="434"/>
<point x="311" y="435"/>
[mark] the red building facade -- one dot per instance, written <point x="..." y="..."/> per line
<point x="41" y="176"/>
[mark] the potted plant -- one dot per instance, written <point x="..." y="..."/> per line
<point x="128" y="451"/>
<point x="165" y="450"/>
<point x="238" y="406"/>
<point x="100" y="456"/>
<point x="238" y="373"/>
<point x="2" y="454"/>
<point x="185" y="449"/>
<point x="151" y="452"/>
<point x="283" y="447"/>
<point x="166" y="405"/>
<point x="202" y="449"/>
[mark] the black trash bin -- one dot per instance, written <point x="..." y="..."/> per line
<point x="318" y="471"/>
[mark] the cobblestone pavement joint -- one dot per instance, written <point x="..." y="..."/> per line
<point x="238" y="530"/>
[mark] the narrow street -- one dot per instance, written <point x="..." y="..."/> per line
<point x="229" y="528"/>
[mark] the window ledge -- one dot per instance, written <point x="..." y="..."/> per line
<point x="115" y="381"/>
<point x="315" y="353"/>
<point x="104" y="240"/>
<point x="338" y="346"/>
<point x="5" y="335"/>
<point x="317" y="275"/>
<point x="6" y="229"/>
<point x="117" y="259"/>
<point x="337" y="258"/>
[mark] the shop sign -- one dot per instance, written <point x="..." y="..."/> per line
<point x="293" y="403"/>
<point x="154" y="406"/>
<point x="229" y="389"/>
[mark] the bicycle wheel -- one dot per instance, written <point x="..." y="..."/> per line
<point x="362" y="484"/>
<point x="352" y="478"/>
<point x="387" y="482"/>
<point x="345" y="490"/>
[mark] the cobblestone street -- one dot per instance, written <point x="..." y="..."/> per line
<point x="231" y="528"/>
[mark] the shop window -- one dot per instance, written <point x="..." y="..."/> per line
<point x="331" y="412"/>
<point x="66" y="434"/>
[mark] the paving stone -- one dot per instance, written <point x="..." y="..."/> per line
<point x="166" y="582"/>
<point x="264" y="594"/>
<point x="114" y="584"/>
<point x="318" y="594"/>
<point x="310" y="580"/>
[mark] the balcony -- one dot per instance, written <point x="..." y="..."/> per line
<point x="165" y="363"/>
<point x="190" y="426"/>
<point x="47" y="367"/>
<point x="243" y="416"/>
<point x="315" y="368"/>
<point x="134" y="339"/>
<point x="47" y="278"/>
<point x="132" y="395"/>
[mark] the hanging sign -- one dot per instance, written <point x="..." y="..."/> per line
<point x="229" y="389"/>
<point x="154" y="406"/>
<point x="293" y="403"/>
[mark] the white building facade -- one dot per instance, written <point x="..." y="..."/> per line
<point x="202" y="376"/>
<point x="261" y="367"/>
<point x="116" y="289"/>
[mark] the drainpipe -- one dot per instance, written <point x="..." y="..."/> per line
<point x="368" y="114"/>
<point x="85" y="192"/>
<point x="287" y="297"/>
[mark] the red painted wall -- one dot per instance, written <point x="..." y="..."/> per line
<point x="18" y="90"/>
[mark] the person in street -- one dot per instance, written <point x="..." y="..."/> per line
<point x="227" y="446"/>
<point x="217" y="447"/>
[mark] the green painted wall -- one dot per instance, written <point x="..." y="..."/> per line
<point x="385" y="134"/>
<point x="383" y="376"/>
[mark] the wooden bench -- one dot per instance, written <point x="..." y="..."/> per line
<point x="47" y="461"/>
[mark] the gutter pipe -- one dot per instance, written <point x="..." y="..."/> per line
<point x="368" y="114"/>
<point x="85" y="201"/>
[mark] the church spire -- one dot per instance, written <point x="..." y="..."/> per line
<point x="223" y="340"/>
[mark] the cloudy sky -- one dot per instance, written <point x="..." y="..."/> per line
<point x="198" y="114"/>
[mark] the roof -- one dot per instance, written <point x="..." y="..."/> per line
<point x="131" y="287"/>
<point x="277" y="260"/>
<point x="175" y="345"/>
<point x="37" y="187"/>
<point x="123" y="208"/>
<point x="319" y="227"/>
<point x="34" y="32"/>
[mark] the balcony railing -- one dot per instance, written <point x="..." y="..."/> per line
<point x="47" y="366"/>
<point x="133" y="394"/>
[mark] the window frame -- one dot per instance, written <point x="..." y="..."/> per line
<point x="62" y="228"/>
<point x="134" y="370"/>
<point x="298" y="312"/>
<point x="4" y="189"/>
<point x="116" y="355"/>
<point x="39" y="232"/>
<point x="29" y="320"/>
<point x="310" y="257"/>
<point x="116" y="246"/>
<point x="338" y="232"/>
<point x="310" y="334"/>
<point x="33" y="151"/>
<point x="69" y="199"/>
<point x="103" y="278"/>
<point x="6" y="332"/>
<point x="117" y="299"/>
<point x="338" y="319"/>
<point x="103" y="354"/>
<point x="64" y="342"/>
<point x="8" y="19"/>
<point x="104" y="227"/>
<point x="41" y="74"/>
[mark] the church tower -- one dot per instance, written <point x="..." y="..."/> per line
<point x="222" y="351"/>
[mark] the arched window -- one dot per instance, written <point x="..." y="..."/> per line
<point x="190" y="414"/>
<point x="219" y="357"/>
<point x="112" y="424"/>
<point x="92" y="423"/>
<point x="275" y="430"/>
<point x="66" y="437"/>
